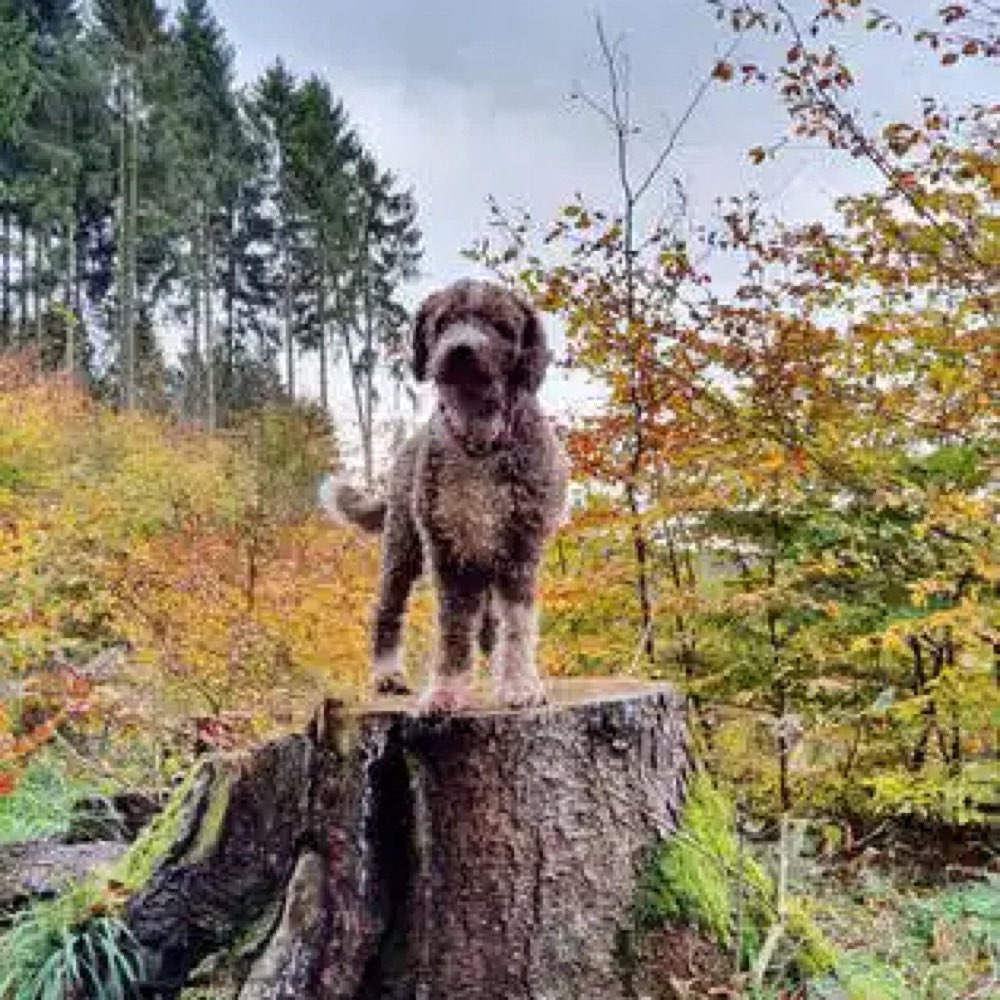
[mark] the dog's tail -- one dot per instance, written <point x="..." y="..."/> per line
<point x="348" y="505"/>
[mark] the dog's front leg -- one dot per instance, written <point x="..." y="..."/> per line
<point x="460" y="597"/>
<point x="514" y="667"/>
<point x="401" y="565"/>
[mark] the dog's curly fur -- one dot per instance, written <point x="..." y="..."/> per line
<point x="473" y="494"/>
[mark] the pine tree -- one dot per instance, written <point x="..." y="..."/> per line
<point x="208" y="138"/>
<point x="246" y="275"/>
<point x="324" y="152"/>
<point x="386" y="252"/>
<point x="133" y="33"/>
<point x="272" y="106"/>
<point x="18" y="80"/>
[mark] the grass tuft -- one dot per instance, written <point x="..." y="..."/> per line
<point x="41" y="804"/>
<point x="71" y="946"/>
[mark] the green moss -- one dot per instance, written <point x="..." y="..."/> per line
<point x="212" y="820"/>
<point x="695" y="875"/>
<point x="700" y="877"/>
<point x="137" y="865"/>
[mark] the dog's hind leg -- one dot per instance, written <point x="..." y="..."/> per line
<point x="461" y="592"/>
<point x="401" y="565"/>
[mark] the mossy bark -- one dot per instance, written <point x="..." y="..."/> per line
<point x="475" y="855"/>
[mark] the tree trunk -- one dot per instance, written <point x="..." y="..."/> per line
<point x="71" y="318"/>
<point x="197" y="401"/>
<point x="6" y="317"/>
<point x="391" y="855"/>
<point x="232" y="282"/>
<point x="286" y="308"/>
<point x="38" y="280"/>
<point x="367" y="427"/>
<point x="80" y="272"/>
<point x="25" y="320"/>
<point x="210" y="391"/>
<point x="121" y="250"/>
<point x="132" y="229"/>
<point x="324" y="363"/>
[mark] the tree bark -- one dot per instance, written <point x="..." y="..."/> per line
<point x="286" y="317"/>
<point x="392" y="855"/>
<point x="131" y="249"/>
<point x="196" y="393"/>
<point x="71" y="318"/>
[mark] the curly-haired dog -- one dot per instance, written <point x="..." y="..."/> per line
<point x="473" y="493"/>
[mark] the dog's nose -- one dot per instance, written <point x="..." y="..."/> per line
<point x="462" y="366"/>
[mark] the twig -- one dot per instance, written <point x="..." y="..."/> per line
<point x="675" y="132"/>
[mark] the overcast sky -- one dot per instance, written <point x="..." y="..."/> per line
<point x="464" y="99"/>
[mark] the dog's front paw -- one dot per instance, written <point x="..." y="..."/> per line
<point x="394" y="683"/>
<point x="522" y="694"/>
<point x="444" y="696"/>
<point x="388" y="676"/>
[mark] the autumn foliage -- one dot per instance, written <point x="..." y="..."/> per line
<point x="162" y="584"/>
<point x="785" y="499"/>
<point x="806" y="452"/>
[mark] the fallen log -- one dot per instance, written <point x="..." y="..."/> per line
<point x="387" y="854"/>
<point x="39" y="869"/>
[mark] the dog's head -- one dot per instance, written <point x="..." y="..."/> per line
<point x="482" y="346"/>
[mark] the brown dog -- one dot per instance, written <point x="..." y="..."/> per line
<point x="473" y="493"/>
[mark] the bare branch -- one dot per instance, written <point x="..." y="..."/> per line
<point x="621" y="124"/>
<point x="675" y="132"/>
<point x="579" y="94"/>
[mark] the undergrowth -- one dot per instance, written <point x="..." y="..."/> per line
<point x="41" y="804"/>
<point x="850" y="931"/>
<point x="898" y="942"/>
<point x="77" y="945"/>
<point x="71" y="946"/>
<point x="702" y="876"/>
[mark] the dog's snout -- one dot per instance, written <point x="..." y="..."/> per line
<point x="461" y="366"/>
<point x="462" y="355"/>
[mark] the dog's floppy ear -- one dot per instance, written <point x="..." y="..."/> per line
<point x="424" y="330"/>
<point x="534" y="356"/>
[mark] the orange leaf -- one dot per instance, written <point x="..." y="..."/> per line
<point x="723" y="71"/>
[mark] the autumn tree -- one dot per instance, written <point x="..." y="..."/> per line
<point x="620" y="289"/>
<point x="816" y="439"/>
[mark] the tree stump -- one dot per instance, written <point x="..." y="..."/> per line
<point x="386" y="854"/>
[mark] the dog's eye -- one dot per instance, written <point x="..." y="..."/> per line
<point x="506" y="330"/>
